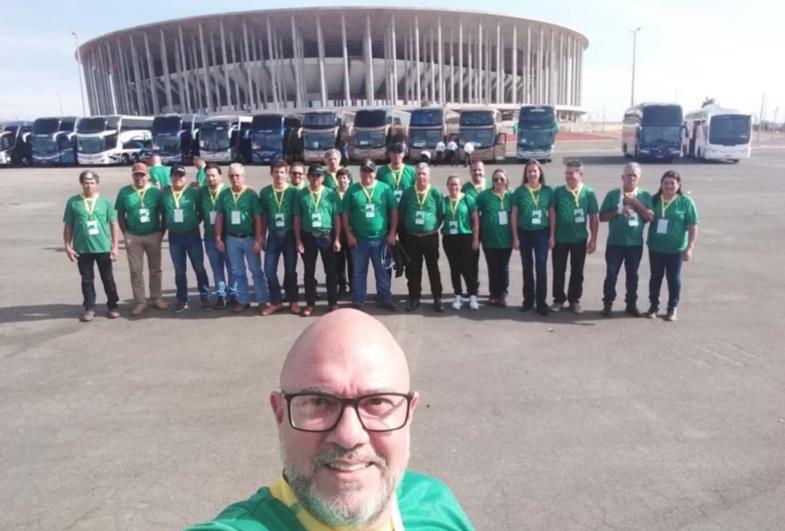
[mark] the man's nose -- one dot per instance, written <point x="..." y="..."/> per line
<point x="349" y="431"/>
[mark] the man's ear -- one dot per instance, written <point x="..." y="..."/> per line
<point x="278" y="403"/>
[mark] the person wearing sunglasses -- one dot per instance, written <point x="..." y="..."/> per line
<point x="494" y="206"/>
<point x="344" y="412"/>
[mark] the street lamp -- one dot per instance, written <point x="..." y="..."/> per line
<point x="634" y="45"/>
<point x="79" y="71"/>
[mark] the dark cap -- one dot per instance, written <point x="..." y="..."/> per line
<point x="315" y="169"/>
<point x="178" y="169"/>
<point x="368" y="165"/>
<point x="397" y="148"/>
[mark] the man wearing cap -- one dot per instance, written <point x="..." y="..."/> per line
<point x="180" y="205"/>
<point x="138" y="208"/>
<point x="160" y="175"/>
<point x="370" y="218"/>
<point x="396" y="174"/>
<point x="209" y="207"/>
<point x="277" y="200"/>
<point x="422" y="210"/>
<point x="241" y="214"/>
<point x="317" y="222"/>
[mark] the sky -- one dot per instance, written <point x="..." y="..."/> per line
<point x="686" y="51"/>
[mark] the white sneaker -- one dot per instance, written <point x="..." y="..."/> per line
<point x="457" y="302"/>
<point x="576" y="308"/>
<point x="473" y="303"/>
<point x="556" y="307"/>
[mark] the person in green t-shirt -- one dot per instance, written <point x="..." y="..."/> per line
<point x="139" y="215"/>
<point x="531" y="211"/>
<point x="277" y="200"/>
<point x="297" y="176"/>
<point x="180" y="205"/>
<point x="343" y="258"/>
<point x="317" y="222"/>
<point x="626" y="209"/>
<point x="573" y="205"/>
<point x="421" y="208"/>
<point x="201" y="169"/>
<point x="209" y="207"/>
<point x="344" y="413"/>
<point x="478" y="182"/>
<point x="461" y="241"/>
<point x="91" y="236"/>
<point x="672" y="236"/>
<point x="494" y="206"/>
<point x="396" y="174"/>
<point x="370" y="218"/>
<point x="332" y="163"/>
<point x="160" y="175"/>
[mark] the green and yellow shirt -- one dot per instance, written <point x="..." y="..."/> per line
<point x="494" y="210"/>
<point x="421" y="211"/>
<point x="399" y="180"/>
<point x="470" y="189"/>
<point x="533" y="206"/>
<point x="181" y="209"/>
<point x="573" y="209"/>
<point x="668" y="230"/>
<point x="209" y="206"/>
<point x="458" y="215"/>
<point x="277" y="207"/>
<point x="142" y="209"/>
<point x="239" y="210"/>
<point x="90" y="219"/>
<point x="161" y="176"/>
<point x="316" y="209"/>
<point x="624" y="230"/>
<point x="368" y="209"/>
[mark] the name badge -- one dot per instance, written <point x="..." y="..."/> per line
<point x="662" y="226"/>
<point x="398" y="194"/>
<point x="178" y="215"/>
<point x="632" y="221"/>
<point x="279" y="221"/>
<point x="235" y="217"/>
<point x="503" y="217"/>
<point x="212" y="217"/>
<point x="419" y="217"/>
<point x="452" y="227"/>
<point x="537" y="217"/>
<point x="580" y="217"/>
<point x="370" y="210"/>
<point x="316" y="220"/>
<point x="144" y="215"/>
<point x="92" y="227"/>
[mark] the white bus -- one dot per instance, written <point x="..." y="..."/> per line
<point x="375" y="130"/>
<point x="225" y="139"/>
<point x="714" y="133"/>
<point x="326" y="129"/>
<point x="481" y="125"/>
<point x="113" y="139"/>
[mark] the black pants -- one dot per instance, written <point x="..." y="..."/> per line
<point x="343" y="264"/>
<point x="313" y="246"/>
<point x="577" y="256"/>
<point x="498" y="262"/>
<point x="615" y="256"/>
<point x="463" y="261"/>
<point x="419" y="248"/>
<point x="87" y="272"/>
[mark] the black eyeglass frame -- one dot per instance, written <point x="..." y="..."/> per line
<point x="344" y="402"/>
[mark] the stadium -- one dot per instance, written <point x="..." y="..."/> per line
<point x="333" y="57"/>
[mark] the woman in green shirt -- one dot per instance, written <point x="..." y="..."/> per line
<point x="672" y="235"/>
<point x="494" y="206"/>
<point x="461" y="241"/>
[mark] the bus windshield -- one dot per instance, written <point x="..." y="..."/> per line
<point x="536" y="139"/>
<point x="368" y="118"/>
<point x="427" y="117"/>
<point x="267" y="122"/>
<point x="369" y="139"/>
<point x="425" y="138"/>
<point x="46" y="126"/>
<point x="662" y="115"/>
<point x="167" y="124"/>
<point x="320" y="119"/>
<point x="91" y="125"/>
<point x="319" y="141"/>
<point x="6" y="140"/>
<point x="730" y="129"/>
<point x="96" y="144"/>
<point x="536" y="116"/>
<point x="267" y="140"/>
<point x="479" y="137"/>
<point x="477" y="118"/>
<point x="215" y="136"/>
<point x="654" y="135"/>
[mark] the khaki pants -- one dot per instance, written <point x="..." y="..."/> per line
<point x="136" y="247"/>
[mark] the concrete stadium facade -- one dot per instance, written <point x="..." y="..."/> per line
<point x="323" y="57"/>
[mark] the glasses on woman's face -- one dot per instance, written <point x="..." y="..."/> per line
<point x="321" y="412"/>
<point x="499" y="179"/>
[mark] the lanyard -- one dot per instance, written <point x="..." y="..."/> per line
<point x="423" y="195"/>
<point x="142" y="193"/>
<point x="214" y="196"/>
<point x="576" y="193"/>
<point x="479" y="187"/>
<point x="397" y="176"/>
<point x="535" y="197"/>
<point x="501" y="199"/>
<point x="454" y="206"/>
<point x="89" y="205"/>
<point x="177" y="196"/>
<point x="665" y="204"/>
<point x="236" y="196"/>
<point x="279" y="198"/>
<point x="369" y="195"/>
<point x="316" y="198"/>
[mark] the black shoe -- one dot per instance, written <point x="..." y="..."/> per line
<point x="412" y="304"/>
<point x="607" y="310"/>
<point x="357" y="306"/>
<point x="543" y="310"/>
<point x="389" y="306"/>
<point x="525" y="307"/>
<point x="438" y="307"/>
<point x="632" y="310"/>
<point x="220" y="303"/>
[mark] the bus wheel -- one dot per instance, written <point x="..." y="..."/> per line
<point x="124" y="158"/>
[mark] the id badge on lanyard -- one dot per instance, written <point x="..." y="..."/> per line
<point x="502" y="217"/>
<point x="580" y="217"/>
<point x="419" y="217"/>
<point x="452" y="228"/>
<point x="92" y="227"/>
<point x="178" y="215"/>
<point x="662" y="226"/>
<point x="144" y="215"/>
<point x="398" y="194"/>
<point x="212" y="217"/>
<point x="536" y="217"/>
<point x="370" y="210"/>
<point x="632" y="221"/>
<point x="279" y="220"/>
<point x="235" y="217"/>
<point x="316" y="220"/>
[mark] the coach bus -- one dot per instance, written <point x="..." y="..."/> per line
<point x="537" y="128"/>
<point x="427" y="127"/>
<point x="15" y="145"/>
<point x="275" y="136"/>
<point x="176" y="137"/>
<point x="112" y="139"/>
<point x="653" y="131"/>
<point x="323" y="130"/>
<point x="375" y="130"/>
<point x="482" y="127"/>
<point x="54" y="140"/>
<point x="715" y="133"/>
<point x="225" y="139"/>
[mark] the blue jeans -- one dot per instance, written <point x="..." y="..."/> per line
<point x="361" y="253"/>
<point x="189" y="244"/>
<point x="277" y="246"/>
<point x="240" y="251"/>
<point x="668" y="265"/>
<point x="222" y="270"/>
<point x="615" y="255"/>
<point x="534" y="256"/>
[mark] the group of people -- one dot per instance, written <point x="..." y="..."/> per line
<point x="446" y="152"/>
<point x="391" y="215"/>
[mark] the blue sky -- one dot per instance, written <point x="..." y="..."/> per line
<point x="686" y="50"/>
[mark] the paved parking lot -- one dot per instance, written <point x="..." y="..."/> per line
<point x="569" y="422"/>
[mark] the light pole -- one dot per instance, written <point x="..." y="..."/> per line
<point x="634" y="45"/>
<point x="79" y="71"/>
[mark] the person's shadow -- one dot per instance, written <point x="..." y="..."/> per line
<point x="40" y="312"/>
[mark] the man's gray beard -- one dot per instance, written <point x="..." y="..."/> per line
<point x="330" y="511"/>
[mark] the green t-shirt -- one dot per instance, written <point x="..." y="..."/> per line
<point x="161" y="175"/>
<point x="572" y="216"/>
<point x="142" y="209"/>
<point x="495" y="219"/>
<point x="458" y="215"/>
<point x="331" y="182"/>
<point x="470" y="189"/>
<point x="187" y="220"/>
<point x="622" y="230"/>
<point x="277" y="207"/>
<point x="91" y="222"/>
<point x="200" y="178"/>
<point x="421" y="212"/>
<point x="425" y="504"/>
<point x="316" y="210"/>
<point x="397" y="180"/>
<point x="671" y="236"/>
<point x="209" y="206"/>
<point x="239" y="211"/>
<point x="369" y="211"/>
<point x="533" y="207"/>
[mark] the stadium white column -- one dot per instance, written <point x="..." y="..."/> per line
<point x="184" y="82"/>
<point x="499" y="73"/>
<point x="165" y="65"/>
<point x="140" y="108"/>
<point x="394" y="39"/>
<point x="417" y="58"/>
<point x="440" y="59"/>
<point x="488" y="69"/>
<point x="478" y="68"/>
<point x="432" y="92"/>
<point x="297" y="73"/>
<point x="469" y="69"/>
<point x="249" y="99"/>
<point x="369" y="83"/>
<point x="111" y="78"/>
<point x="346" y="82"/>
<point x="205" y="73"/>
<point x="460" y="61"/>
<point x="271" y="63"/>
<point x="514" y="89"/>
<point x="121" y="84"/>
<point x="452" y="64"/>
<point x="320" y="45"/>
<point x="151" y="74"/>
<point x="225" y="62"/>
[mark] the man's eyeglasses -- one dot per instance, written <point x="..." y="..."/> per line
<point x="296" y="172"/>
<point x="321" y="412"/>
